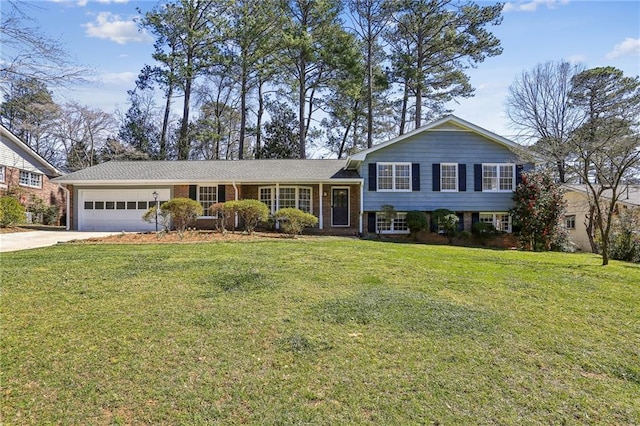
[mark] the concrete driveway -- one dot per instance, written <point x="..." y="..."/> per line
<point x="32" y="239"/>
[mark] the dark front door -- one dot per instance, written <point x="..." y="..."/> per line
<point x="340" y="207"/>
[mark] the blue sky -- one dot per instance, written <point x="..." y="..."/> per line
<point x="101" y="34"/>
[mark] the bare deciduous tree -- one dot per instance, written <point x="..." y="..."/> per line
<point x="27" y="53"/>
<point x="538" y="106"/>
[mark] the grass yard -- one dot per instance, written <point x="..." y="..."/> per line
<point x="317" y="331"/>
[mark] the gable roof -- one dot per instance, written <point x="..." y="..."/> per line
<point x="630" y="195"/>
<point x="240" y="171"/>
<point x="6" y="133"/>
<point x="449" y="123"/>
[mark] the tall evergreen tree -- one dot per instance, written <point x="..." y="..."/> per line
<point x="433" y="42"/>
<point x="188" y="33"/>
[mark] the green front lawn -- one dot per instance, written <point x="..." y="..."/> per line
<point x="321" y="331"/>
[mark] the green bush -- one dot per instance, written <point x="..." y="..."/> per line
<point x="624" y="240"/>
<point x="416" y="221"/>
<point x="448" y="220"/>
<point x="11" y="212"/>
<point x="250" y="211"/>
<point x="483" y="231"/>
<point x="182" y="212"/>
<point x="293" y="221"/>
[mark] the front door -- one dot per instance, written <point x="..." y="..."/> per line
<point x="340" y="207"/>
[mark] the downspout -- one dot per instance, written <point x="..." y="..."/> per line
<point x="361" y="206"/>
<point x="235" y="191"/>
<point x="67" y="192"/>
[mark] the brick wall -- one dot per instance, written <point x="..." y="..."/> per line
<point x="50" y="193"/>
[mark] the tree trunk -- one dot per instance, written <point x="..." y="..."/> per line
<point x="183" y="143"/>
<point x="243" y="111"/>
<point x="405" y="101"/>
<point x="369" y="90"/>
<point x="259" y="120"/>
<point x="165" y="123"/>
<point x="301" y="114"/>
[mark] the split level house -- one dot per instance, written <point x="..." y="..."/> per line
<point x="27" y="176"/>
<point x="448" y="164"/>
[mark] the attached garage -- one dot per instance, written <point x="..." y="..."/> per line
<point x="117" y="209"/>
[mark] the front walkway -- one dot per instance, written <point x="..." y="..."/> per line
<point x="27" y="240"/>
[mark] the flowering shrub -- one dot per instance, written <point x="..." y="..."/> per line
<point x="539" y="209"/>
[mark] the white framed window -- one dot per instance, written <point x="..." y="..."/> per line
<point x="570" y="221"/>
<point x="2" y="174"/>
<point x="500" y="220"/>
<point x="395" y="226"/>
<point x="207" y="196"/>
<point x="394" y="177"/>
<point x="498" y="177"/>
<point x="449" y="177"/>
<point x="297" y="197"/>
<point x="31" y="179"/>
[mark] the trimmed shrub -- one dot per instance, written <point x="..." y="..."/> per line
<point x="250" y="211"/>
<point x="448" y="220"/>
<point x="293" y="221"/>
<point x="483" y="231"/>
<point x="182" y="212"/>
<point x="218" y="211"/>
<point x="416" y="221"/>
<point x="164" y="220"/>
<point x="11" y="212"/>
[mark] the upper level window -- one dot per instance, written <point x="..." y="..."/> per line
<point x="498" y="177"/>
<point x="207" y="196"/>
<point x="394" y="176"/>
<point x="449" y="177"/>
<point x="31" y="179"/>
<point x="2" y="174"/>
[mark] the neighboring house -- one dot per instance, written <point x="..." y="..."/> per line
<point x="577" y="199"/>
<point x="449" y="163"/>
<point x="26" y="174"/>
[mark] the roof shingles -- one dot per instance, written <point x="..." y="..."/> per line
<point x="212" y="171"/>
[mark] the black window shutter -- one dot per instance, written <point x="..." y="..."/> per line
<point x="373" y="177"/>
<point x="460" y="221"/>
<point x="435" y="174"/>
<point x="462" y="177"/>
<point x="519" y="169"/>
<point x="415" y="176"/>
<point x="371" y="223"/>
<point x="475" y="217"/>
<point x="193" y="192"/>
<point x="477" y="177"/>
<point x="221" y="194"/>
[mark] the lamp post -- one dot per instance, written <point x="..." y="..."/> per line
<point x="155" y="201"/>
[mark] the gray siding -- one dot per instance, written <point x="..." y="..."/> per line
<point x="432" y="147"/>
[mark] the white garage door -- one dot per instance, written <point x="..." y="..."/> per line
<point x="116" y="209"/>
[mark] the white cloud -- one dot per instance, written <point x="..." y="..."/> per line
<point x="83" y="3"/>
<point x="576" y="59"/>
<point x="118" y="79"/>
<point x="112" y="27"/>
<point x="629" y="47"/>
<point x="532" y="5"/>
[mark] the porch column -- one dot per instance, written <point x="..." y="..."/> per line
<point x="320" y="215"/>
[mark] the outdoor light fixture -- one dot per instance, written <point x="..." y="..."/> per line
<point x="155" y="202"/>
